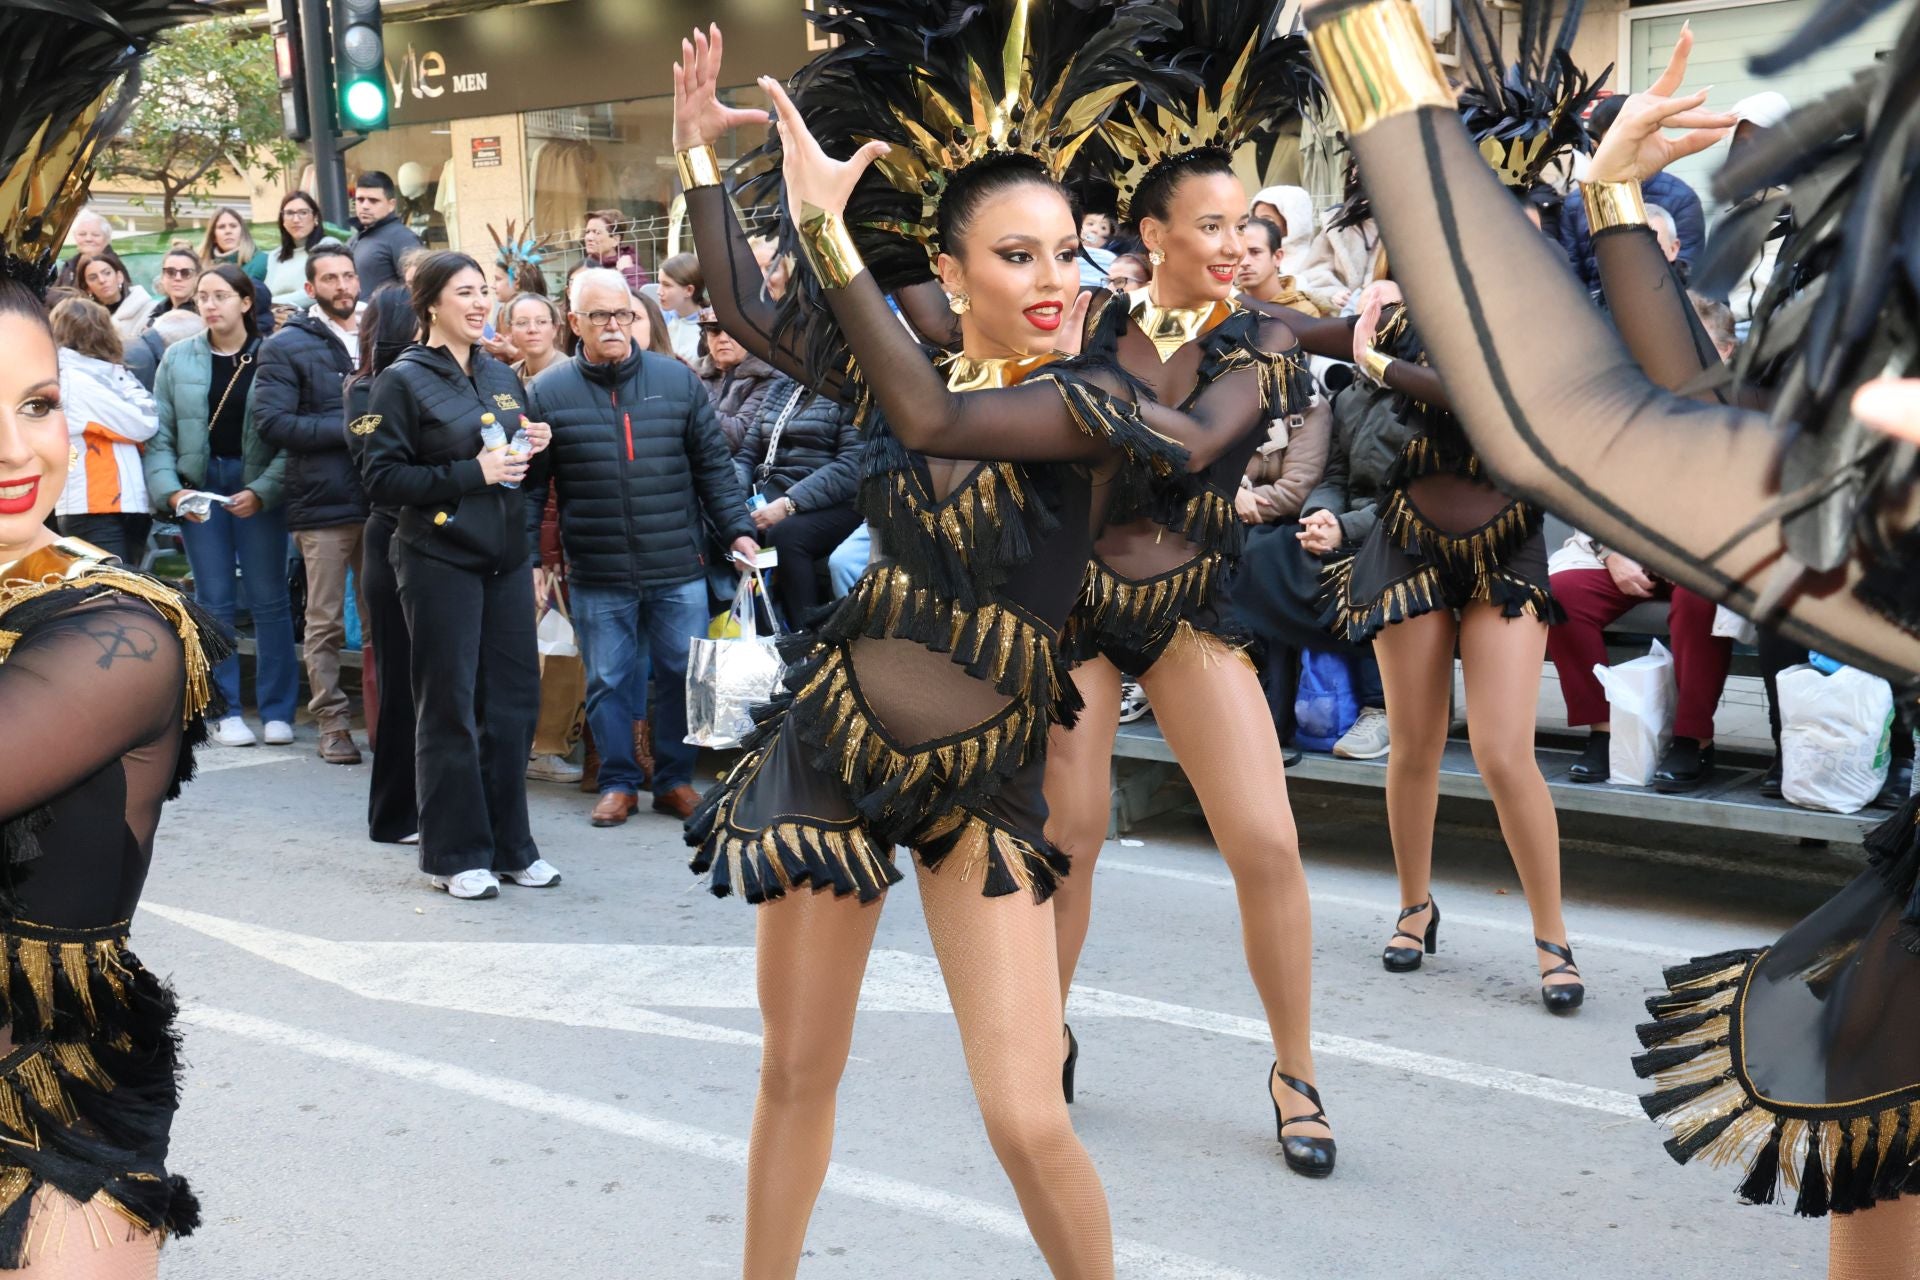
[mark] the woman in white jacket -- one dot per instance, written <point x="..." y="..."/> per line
<point x="1302" y="253"/>
<point x="109" y="416"/>
<point x="105" y="280"/>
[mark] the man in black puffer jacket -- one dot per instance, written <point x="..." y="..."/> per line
<point x="297" y="394"/>
<point x="800" y="458"/>
<point x="637" y="460"/>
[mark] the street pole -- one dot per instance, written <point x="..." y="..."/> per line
<point x="329" y="170"/>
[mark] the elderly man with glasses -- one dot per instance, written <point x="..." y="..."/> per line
<point x="640" y="469"/>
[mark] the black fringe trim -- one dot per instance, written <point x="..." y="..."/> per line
<point x="1830" y="1164"/>
<point x="1893" y="850"/>
<point x="1006" y="862"/>
<point x="1360" y="621"/>
<point x="1141" y="616"/>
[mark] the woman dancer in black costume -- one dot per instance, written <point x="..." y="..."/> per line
<point x="104" y="689"/>
<point x="919" y="709"/>
<point x="1799" y="1061"/>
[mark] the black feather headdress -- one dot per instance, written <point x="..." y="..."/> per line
<point x="68" y="75"/>
<point x="1250" y="73"/>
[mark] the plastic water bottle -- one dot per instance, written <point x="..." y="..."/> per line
<point x="493" y="436"/>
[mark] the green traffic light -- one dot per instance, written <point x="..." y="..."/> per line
<point x="365" y="102"/>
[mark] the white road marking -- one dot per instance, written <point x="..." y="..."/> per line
<point x="568" y="983"/>
<point x="209" y="760"/>
<point x="1221" y="880"/>
<point x="1131" y="1256"/>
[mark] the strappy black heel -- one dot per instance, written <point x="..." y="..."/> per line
<point x="1407" y="959"/>
<point x="1066" y="1068"/>
<point x="1308" y="1157"/>
<point x="1560" y="997"/>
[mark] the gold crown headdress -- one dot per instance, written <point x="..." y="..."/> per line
<point x="1525" y="114"/>
<point x="1247" y="72"/>
<point x="68" y="76"/>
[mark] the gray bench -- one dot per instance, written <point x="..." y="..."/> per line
<point x="1147" y="781"/>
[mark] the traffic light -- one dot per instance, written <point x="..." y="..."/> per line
<point x="291" y="71"/>
<point x="359" y="66"/>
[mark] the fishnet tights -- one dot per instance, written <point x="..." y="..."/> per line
<point x="1209" y="705"/>
<point x="1881" y="1243"/>
<point x="1501" y="658"/>
<point x="997" y="957"/>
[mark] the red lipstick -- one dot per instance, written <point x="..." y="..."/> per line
<point x="17" y="496"/>
<point x="1045" y="316"/>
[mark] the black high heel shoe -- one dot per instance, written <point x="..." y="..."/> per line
<point x="1560" y="997"/>
<point x="1407" y="959"/>
<point x="1308" y="1157"/>
<point x="1066" y="1068"/>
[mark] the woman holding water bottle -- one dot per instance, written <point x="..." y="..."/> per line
<point x="447" y="443"/>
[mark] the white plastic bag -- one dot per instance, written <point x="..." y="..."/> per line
<point x="556" y="635"/>
<point x="1836" y="738"/>
<point x="1640" y="699"/>
<point x="727" y="678"/>
<point x="1728" y="625"/>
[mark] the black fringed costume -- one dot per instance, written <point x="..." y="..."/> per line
<point x="112" y="706"/>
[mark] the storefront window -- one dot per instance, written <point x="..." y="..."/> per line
<point x="415" y="156"/>
<point x="616" y="155"/>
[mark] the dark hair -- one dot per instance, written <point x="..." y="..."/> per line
<point x="1604" y="113"/>
<point x="659" y="341"/>
<point x="437" y="270"/>
<point x="378" y="181"/>
<point x="1275" y="235"/>
<point x="527" y="277"/>
<point x="1137" y="259"/>
<point x="83" y="325"/>
<point x="314" y="237"/>
<point x="241" y="283"/>
<point x="684" y="269"/>
<point x="180" y="250"/>
<point x="325" y="249"/>
<point x="1154" y="198"/>
<point x="981" y="181"/>
<point x="16" y="299"/>
<point x="612" y="217"/>
<point x="553" y="308"/>
<point x="387" y="327"/>
<point x="209" y="246"/>
<point x="109" y="257"/>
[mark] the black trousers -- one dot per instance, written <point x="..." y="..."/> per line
<point x="392" y="812"/>
<point x="476" y="698"/>
<point x="122" y="533"/>
<point x="804" y="541"/>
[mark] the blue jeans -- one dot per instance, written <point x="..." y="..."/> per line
<point x="229" y="556"/>
<point x="622" y="634"/>
<point x="849" y="560"/>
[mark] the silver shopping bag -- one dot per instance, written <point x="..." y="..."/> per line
<point x="731" y="672"/>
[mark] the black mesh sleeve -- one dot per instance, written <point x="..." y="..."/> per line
<point x="1562" y="414"/>
<point x="1651" y="309"/>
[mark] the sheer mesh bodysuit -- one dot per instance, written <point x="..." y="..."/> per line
<point x="95" y="683"/>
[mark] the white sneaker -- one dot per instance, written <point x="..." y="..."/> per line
<point x="232" y="732"/>
<point x="1367" y="740"/>
<point x="469" y="884"/>
<point x="412" y="839"/>
<point x="279" y="733"/>
<point x="540" y="875"/>
<point x="554" y="769"/>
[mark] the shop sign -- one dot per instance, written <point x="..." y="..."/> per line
<point x="486" y="152"/>
<point x="537" y="57"/>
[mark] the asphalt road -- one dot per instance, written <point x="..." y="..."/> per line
<point x="385" y="1082"/>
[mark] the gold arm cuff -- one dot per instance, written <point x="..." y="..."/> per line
<point x="699" y="167"/>
<point x="1374" y="365"/>
<point x="1378" y="62"/>
<point x="829" y="247"/>
<point x="1613" y="204"/>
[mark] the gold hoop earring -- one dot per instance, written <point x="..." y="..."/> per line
<point x="959" y="304"/>
<point x="1156" y="257"/>
<point x="73" y="455"/>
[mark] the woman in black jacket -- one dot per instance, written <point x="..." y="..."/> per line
<point x="799" y="462"/>
<point x="387" y="328"/>
<point x="461" y="557"/>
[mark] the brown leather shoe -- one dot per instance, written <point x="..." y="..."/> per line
<point x="643" y="750"/>
<point x="680" y="802"/>
<point x="590" y="775"/>
<point x="337" y="747"/>
<point x="615" y="807"/>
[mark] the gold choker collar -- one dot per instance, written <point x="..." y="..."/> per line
<point x="1171" y="328"/>
<point x="964" y="373"/>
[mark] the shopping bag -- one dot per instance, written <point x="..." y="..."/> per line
<point x="1836" y="737"/>
<point x="728" y="675"/>
<point x="563" y="680"/>
<point x="1324" y="707"/>
<point x="556" y="630"/>
<point x="1640" y="699"/>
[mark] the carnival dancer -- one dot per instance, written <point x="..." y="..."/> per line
<point x="1151" y="607"/>
<point x="1455" y="560"/>
<point x="1798" y="1062"/>
<point x="105" y="683"/>
<point x="919" y="709"/>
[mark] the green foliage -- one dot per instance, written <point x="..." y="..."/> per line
<point x="209" y="95"/>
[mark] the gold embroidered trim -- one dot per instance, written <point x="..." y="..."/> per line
<point x="1149" y="606"/>
<point x="970" y="514"/>
<point x="1480" y="552"/>
<point x="996" y="642"/>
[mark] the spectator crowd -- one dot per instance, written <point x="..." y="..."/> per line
<point x="361" y="437"/>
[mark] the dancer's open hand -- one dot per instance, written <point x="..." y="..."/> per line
<point x="812" y="177"/>
<point x="1635" y="149"/>
<point x="699" y="117"/>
